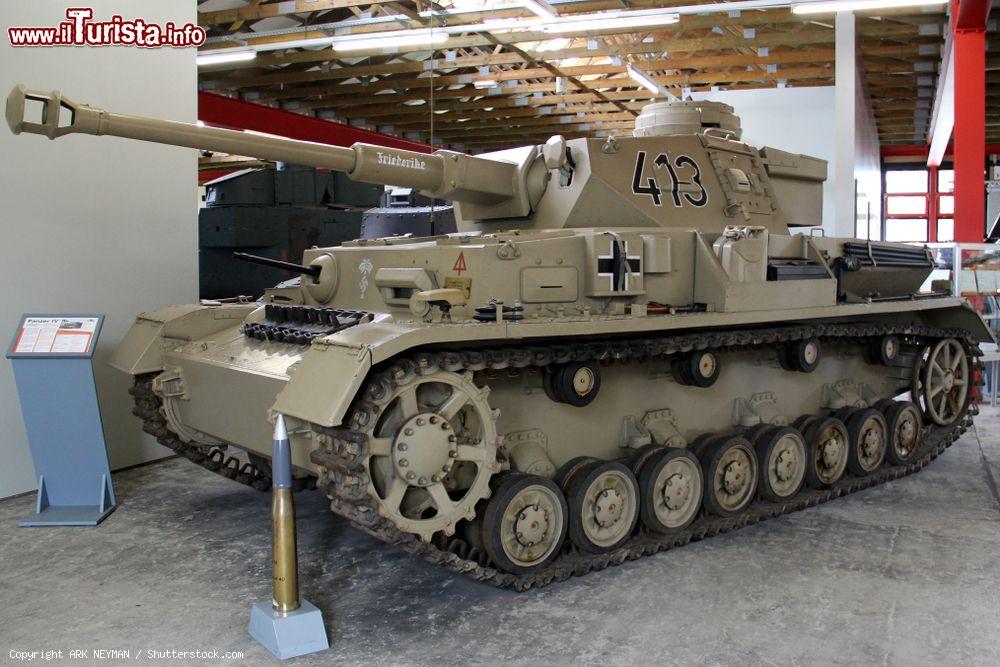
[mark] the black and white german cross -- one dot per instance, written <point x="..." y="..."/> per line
<point x="614" y="265"/>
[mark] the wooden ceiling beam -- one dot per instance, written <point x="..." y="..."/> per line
<point x="641" y="95"/>
<point x="497" y="114"/>
<point x="769" y="40"/>
<point x="676" y="80"/>
<point x="759" y="18"/>
<point x="820" y="57"/>
<point x="272" y="9"/>
<point x="544" y="130"/>
<point x="715" y="43"/>
<point x="553" y="120"/>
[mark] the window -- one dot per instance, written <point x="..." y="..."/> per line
<point x="906" y="229"/>
<point x="906" y="205"/>
<point x="946" y="230"/>
<point x="903" y="182"/>
<point x="946" y="181"/>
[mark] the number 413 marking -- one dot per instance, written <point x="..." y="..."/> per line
<point x="652" y="190"/>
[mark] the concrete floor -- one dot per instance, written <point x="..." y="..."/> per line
<point x="906" y="573"/>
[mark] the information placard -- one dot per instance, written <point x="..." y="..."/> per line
<point x="56" y="336"/>
<point x="52" y="359"/>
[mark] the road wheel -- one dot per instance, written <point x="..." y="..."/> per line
<point x="603" y="506"/>
<point x="903" y="426"/>
<point x="781" y="459"/>
<point x="524" y="525"/>
<point x="670" y="490"/>
<point x="827" y="444"/>
<point x="642" y="456"/>
<point x="570" y="469"/>
<point x="867" y="435"/>
<point x="730" y="469"/>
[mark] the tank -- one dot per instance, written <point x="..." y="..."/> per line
<point x="625" y="347"/>
<point x="403" y="211"/>
<point x="277" y="213"/>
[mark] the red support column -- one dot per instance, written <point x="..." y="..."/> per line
<point x="969" y="43"/>
<point x="932" y="204"/>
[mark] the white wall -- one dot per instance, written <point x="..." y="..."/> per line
<point x="867" y="161"/>
<point x="798" y="120"/>
<point x="858" y="179"/>
<point x="95" y="224"/>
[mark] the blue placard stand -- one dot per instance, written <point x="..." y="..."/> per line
<point x="55" y="382"/>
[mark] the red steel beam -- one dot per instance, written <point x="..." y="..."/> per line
<point x="206" y="175"/>
<point x="236" y="114"/>
<point x="972" y="15"/>
<point x="969" y="40"/>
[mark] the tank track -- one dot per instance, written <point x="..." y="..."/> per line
<point x="255" y="474"/>
<point x="345" y="480"/>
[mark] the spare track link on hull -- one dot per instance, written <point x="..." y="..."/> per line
<point x="147" y="408"/>
<point x="345" y="481"/>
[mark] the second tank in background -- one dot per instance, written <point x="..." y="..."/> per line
<point x="276" y="213"/>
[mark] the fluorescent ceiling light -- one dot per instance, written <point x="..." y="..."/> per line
<point x="644" y="80"/>
<point x="224" y="57"/>
<point x="388" y="41"/>
<point x="541" y="8"/>
<point x="859" y="5"/>
<point x="422" y="37"/>
<point x="485" y="83"/>
<point x="615" y="22"/>
<point x="553" y="45"/>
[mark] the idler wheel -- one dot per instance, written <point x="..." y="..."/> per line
<point x="867" y="434"/>
<point x="524" y="525"/>
<point x="802" y="355"/>
<point x="575" y="383"/>
<point x="944" y="382"/>
<point x="903" y="424"/>
<point x="826" y="451"/>
<point x="729" y="465"/>
<point x="781" y="457"/>
<point x="698" y="368"/>
<point x="670" y="490"/>
<point x="603" y="506"/>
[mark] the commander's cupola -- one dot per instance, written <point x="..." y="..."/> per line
<point x="687" y="117"/>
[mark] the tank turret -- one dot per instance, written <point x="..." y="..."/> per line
<point x="685" y="166"/>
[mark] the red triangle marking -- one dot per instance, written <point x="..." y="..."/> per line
<point x="460" y="264"/>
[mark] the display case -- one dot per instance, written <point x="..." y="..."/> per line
<point x="972" y="270"/>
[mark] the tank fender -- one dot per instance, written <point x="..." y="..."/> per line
<point x="962" y="316"/>
<point x="324" y="382"/>
<point x="141" y="351"/>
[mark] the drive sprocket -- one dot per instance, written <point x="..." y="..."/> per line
<point x="432" y="447"/>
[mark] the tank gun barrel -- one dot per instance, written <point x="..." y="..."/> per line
<point x="444" y="174"/>
<point x="313" y="271"/>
